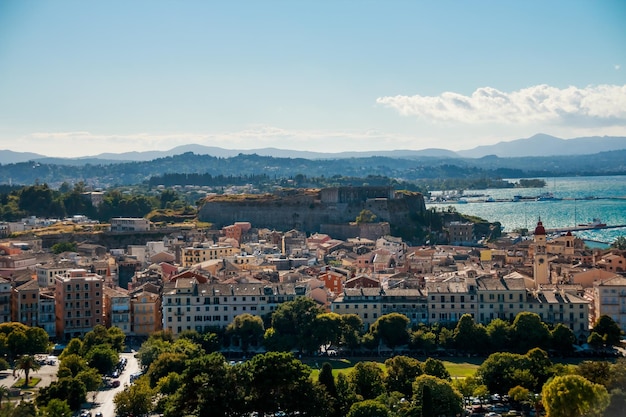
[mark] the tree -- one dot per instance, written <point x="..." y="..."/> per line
<point x="352" y="329"/>
<point x="346" y="395"/>
<point x="610" y="331"/>
<point x="619" y="243"/>
<point x="151" y="349"/>
<point x="247" y="330"/>
<point x="368" y="408"/>
<point x="326" y="379"/>
<point x="4" y="392"/>
<point x="465" y="333"/>
<point x="166" y="363"/>
<point x="436" y="368"/>
<point x="91" y="378"/>
<point x="277" y="381"/>
<point x="365" y="216"/>
<point x="207" y="386"/>
<point x="136" y="400"/>
<point x="292" y="324"/>
<point x="56" y="408"/>
<point x="103" y="358"/>
<point x="368" y="380"/>
<point x="595" y="341"/>
<point x="27" y="363"/>
<point x="328" y="328"/>
<point x="530" y="332"/>
<point x="401" y="372"/>
<point x="563" y="339"/>
<point x="499" y="332"/>
<point x="71" y="365"/>
<point x="573" y="396"/>
<point x="502" y="371"/>
<point x="38" y="340"/>
<point x="61" y="247"/>
<point x="391" y="329"/>
<point x="440" y="399"/>
<point x="69" y="389"/>
<point x="74" y="346"/>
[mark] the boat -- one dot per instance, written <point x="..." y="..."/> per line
<point x="595" y="223"/>
<point x="547" y="197"/>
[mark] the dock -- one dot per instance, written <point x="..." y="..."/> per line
<point x="581" y="228"/>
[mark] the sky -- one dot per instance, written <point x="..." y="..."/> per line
<point x="81" y="78"/>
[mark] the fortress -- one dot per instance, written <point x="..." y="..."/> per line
<point x="313" y="211"/>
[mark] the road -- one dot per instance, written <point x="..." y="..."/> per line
<point x="104" y="397"/>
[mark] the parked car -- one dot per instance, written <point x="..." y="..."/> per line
<point x="114" y="384"/>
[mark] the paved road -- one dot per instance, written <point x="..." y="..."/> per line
<point x="104" y="398"/>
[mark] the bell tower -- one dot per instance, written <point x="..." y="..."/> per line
<point x="541" y="270"/>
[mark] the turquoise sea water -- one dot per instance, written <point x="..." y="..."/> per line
<point x="574" y="207"/>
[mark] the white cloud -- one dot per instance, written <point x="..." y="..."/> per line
<point x="601" y="104"/>
<point x="617" y="67"/>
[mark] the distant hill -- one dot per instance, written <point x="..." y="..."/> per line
<point x="10" y="157"/>
<point x="546" y="145"/>
<point x="538" y="145"/>
<point x="275" y="152"/>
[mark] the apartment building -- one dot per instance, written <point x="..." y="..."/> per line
<point x="610" y="299"/>
<point x="47" y="273"/>
<point x="191" y="305"/>
<point x="129" y="224"/>
<point x="25" y="303"/>
<point x="116" y="307"/>
<point x="499" y="298"/>
<point x="47" y="308"/>
<point x="450" y="298"/>
<point x="79" y="297"/>
<point x="364" y="302"/>
<point x="5" y="300"/>
<point x="206" y="252"/>
<point x="461" y="232"/>
<point x="145" y="308"/>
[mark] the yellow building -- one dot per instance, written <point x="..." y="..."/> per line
<point x="145" y="310"/>
<point x="206" y="252"/>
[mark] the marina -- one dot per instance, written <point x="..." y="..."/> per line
<point x="580" y="205"/>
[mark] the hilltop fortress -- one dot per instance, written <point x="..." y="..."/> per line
<point x="313" y="211"/>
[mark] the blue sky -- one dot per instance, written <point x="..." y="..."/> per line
<point x="80" y="78"/>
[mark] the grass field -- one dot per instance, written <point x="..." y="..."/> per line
<point x="33" y="381"/>
<point x="457" y="369"/>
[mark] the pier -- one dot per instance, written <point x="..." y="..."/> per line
<point x="581" y="228"/>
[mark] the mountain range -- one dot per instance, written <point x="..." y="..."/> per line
<point x="537" y="145"/>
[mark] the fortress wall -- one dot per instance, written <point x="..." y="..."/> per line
<point x="307" y="214"/>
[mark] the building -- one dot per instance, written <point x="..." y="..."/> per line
<point x="205" y="252"/>
<point x="130" y="224"/>
<point x="47" y="307"/>
<point x="500" y="298"/>
<point x="364" y="302"/>
<point x="25" y="303"/>
<point x="449" y="299"/>
<point x="46" y="274"/>
<point x="79" y="297"/>
<point x="5" y="300"/>
<point x="541" y="269"/>
<point x="461" y="233"/>
<point x="610" y="300"/>
<point x="117" y="309"/>
<point x="191" y="305"/>
<point x="145" y="308"/>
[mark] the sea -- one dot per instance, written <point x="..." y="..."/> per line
<point x="577" y="200"/>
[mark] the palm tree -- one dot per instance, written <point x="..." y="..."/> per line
<point x="27" y="363"/>
<point x="4" y="392"/>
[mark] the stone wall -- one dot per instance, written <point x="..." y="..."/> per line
<point x="307" y="212"/>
